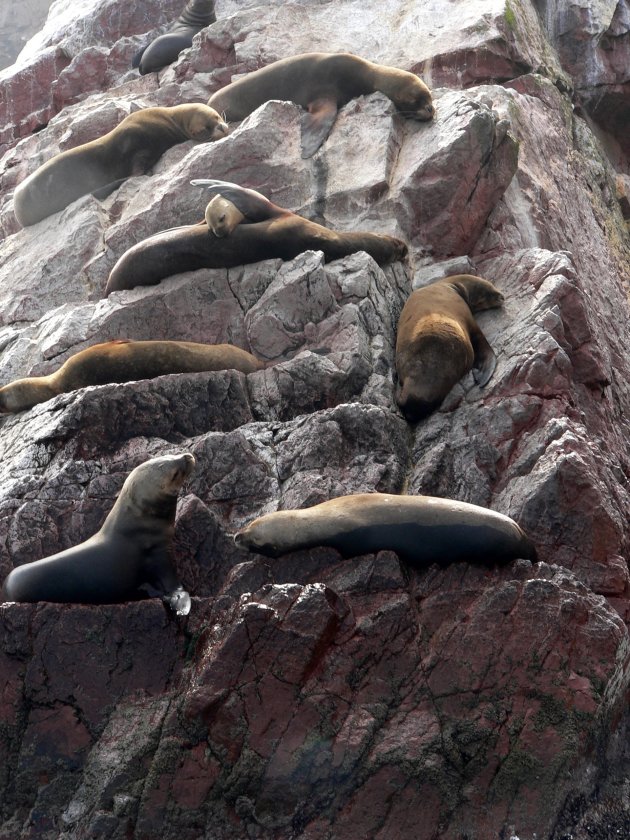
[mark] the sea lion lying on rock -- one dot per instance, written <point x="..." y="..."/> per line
<point x="102" y="165"/>
<point x="421" y="529"/>
<point x="322" y="83"/>
<point x="438" y="341"/>
<point x="128" y="558"/>
<point x="124" y="361"/>
<point x="266" y="231"/>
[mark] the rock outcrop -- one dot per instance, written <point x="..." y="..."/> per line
<point x="312" y="696"/>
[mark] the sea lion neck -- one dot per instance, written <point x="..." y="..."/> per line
<point x="385" y="79"/>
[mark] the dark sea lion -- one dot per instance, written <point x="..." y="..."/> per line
<point x="164" y="49"/>
<point x="421" y="529"/>
<point x="124" y="361"/>
<point x="281" y="234"/>
<point x="322" y="83"/>
<point x="438" y="341"/>
<point x="132" y="148"/>
<point x="128" y="558"/>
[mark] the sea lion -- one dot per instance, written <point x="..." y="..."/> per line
<point x="164" y="49"/>
<point x="232" y="204"/>
<point x="124" y="361"/>
<point x="278" y="233"/>
<point x="421" y="529"/>
<point x="438" y="341"/>
<point x="322" y="83"/>
<point x="222" y="216"/>
<point x="100" y="166"/>
<point x="128" y="558"/>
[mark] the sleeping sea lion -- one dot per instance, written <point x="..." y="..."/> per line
<point x="101" y="165"/>
<point x="232" y="204"/>
<point x="165" y="48"/>
<point x="222" y="216"/>
<point x="438" y="341"/>
<point x="128" y="559"/>
<point x="421" y="529"/>
<point x="322" y="83"/>
<point x="124" y="361"/>
<point x="267" y="231"/>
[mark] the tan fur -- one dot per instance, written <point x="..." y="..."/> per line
<point x="222" y="216"/>
<point x="123" y="361"/>
<point x="438" y="340"/>
<point x="132" y="148"/>
<point x="422" y="529"/>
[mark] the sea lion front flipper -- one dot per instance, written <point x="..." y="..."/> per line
<point x="108" y="189"/>
<point x="316" y="124"/>
<point x="485" y="360"/>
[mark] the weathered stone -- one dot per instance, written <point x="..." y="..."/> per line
<point x="312" y="695"/>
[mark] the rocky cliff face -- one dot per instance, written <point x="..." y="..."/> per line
<point x="18" y="22"/>
<point x="312" y="696"/>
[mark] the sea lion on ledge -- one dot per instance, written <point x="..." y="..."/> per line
<point x="282" y="234"/>
<point x="165" y="48"/>
<point x="101" y="165"/>
<point x="123" y="361"/>
<point x="322" y="83"/>
<point x="128" y="558"/>
<point x="438" y="341"/>
<point x="421" y="529"/>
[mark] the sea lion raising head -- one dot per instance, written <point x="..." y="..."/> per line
<point x="128" y="559"/>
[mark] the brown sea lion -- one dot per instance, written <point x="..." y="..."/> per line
<point x="100" y="166"/>
<point x="165" y="48"/>
<point x="128" y="558"/>
<point x="232" y="204"/>
<point x="267" y="231"/>
<point x="438" y="341"/>
<point x="421" y="529"/>
<point x="222" y="216"/>
<point x="322" y="83"/>
<point x="125" y="361"/>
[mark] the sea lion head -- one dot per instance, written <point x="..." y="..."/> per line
<point x="151" y="489"/>
<point x="200" y="122"/>
<point x="222" y="216"/>
<point x="478" y="293"/>
<point x="431" y="366"/>
<point x="23" y="394"/>
<point x="263" y="536"/>
<point x="412" y="97"/>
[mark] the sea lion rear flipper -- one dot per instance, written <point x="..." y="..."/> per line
<point x="108" y="189"/>
<point x="316" y="124"/>
<point x="485" y="360"/>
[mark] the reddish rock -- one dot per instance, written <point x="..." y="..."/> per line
<point x="314" y="696"/>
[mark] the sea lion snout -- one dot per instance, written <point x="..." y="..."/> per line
<point x="188" y="464"/>
<point x="221" y="130"/>
<point x="426" y="113"/>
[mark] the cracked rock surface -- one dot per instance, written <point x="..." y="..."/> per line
<point x="313" y="696"/>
